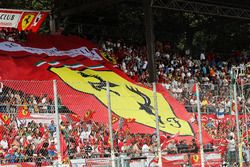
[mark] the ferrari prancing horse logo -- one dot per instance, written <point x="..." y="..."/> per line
<point x="27" y="20"/>
<point x="128" y="100"/>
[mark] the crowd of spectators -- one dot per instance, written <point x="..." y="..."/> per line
<point x="223" y="133"/>
<point x="178" y="72"/>
<point x="10" y="100"/>
<point x="30" y="141"/>
<point x="13" y="34"/>
<point x="36" y="142"/>
<point x="27" y="142"/>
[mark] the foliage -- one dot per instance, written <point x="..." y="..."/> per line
<point x="126" y="20"/>
<point x="28" y="4"/>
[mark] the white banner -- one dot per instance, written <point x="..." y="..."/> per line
<point x="22" y="19"/>
<point x="84" y="51"/>
<point x="9" y="19"/>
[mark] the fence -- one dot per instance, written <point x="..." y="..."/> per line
<point x="29" y="125"/>
<point x="212" y="96"/>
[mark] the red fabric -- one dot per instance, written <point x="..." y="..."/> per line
<point x="23" y="113"/>
<point x="245" y="134"/>
<point x="21" y="66"/>
<point x="22" y="164"/>
<point x="166" y="140"/>
<point x="63" y="148"/>
<point x="89" y="115"/>
<point x="5" y="118"/>
<point x="194" y="88"/>
<point x="238" y="107"/>
<point x="29" y="20"/>
<point x="74" y="118"/>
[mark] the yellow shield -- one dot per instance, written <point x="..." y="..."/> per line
<point x="196" y="158"/>
<point x="128" y="100"/>
<point x="27" y="20"/>
<point x="5" y="117"/>
<point x="24" y="112"/>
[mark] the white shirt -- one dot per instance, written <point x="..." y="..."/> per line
<point x="193" y="102"/>
<point x="167" y="86"/>
<point x="85" y="135"/>
<point x="44" y="100"/>
<point x="189" y="74"/>
<point x="4" y="144"/>
<point x="145" y="65"/>
<point x="145" y="150"/>
<point x="202" y="56"/>
<point x="157" y="54"/>
<point x="231" y="145"/>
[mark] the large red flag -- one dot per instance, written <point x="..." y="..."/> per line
<point x="39" y="58"/>
<point x="129" y="120"/>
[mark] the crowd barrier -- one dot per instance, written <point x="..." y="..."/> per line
<point x="214" y="159"/>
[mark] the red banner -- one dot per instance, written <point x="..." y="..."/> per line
<point x="22" y="164"/>
<point x="22" y="20"/>
<point x="73" y="60"/>
<point x="211" y="159"/>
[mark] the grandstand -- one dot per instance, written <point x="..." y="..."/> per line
<point x="82" y="85"/>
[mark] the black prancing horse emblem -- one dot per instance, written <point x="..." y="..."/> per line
<point x="101" y="85"/>
<point x="147" y="102"/>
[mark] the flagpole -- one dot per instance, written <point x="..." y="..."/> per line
<point x="237" y="115"/>
<point x="200" y="126"/>
<point x="57" y="123"/>
<point x="110" y="126"/>
<point x="157" y="125"/>
<point x="244" y="109"/>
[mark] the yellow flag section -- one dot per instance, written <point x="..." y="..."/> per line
<point x="128" y="100"/>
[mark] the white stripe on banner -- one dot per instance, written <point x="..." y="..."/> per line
<point x="54" y="63"/>
<point x="74" y="65"/>
<point x="82" y="51"/>
<point x="41" y="63"/>
<point x="95" y="67"/>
